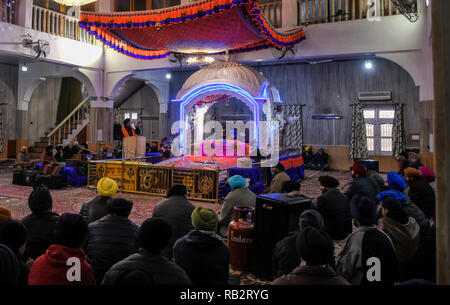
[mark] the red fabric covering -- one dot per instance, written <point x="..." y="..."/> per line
<point x="51" y="268"/>
<point x="208" y="26"/>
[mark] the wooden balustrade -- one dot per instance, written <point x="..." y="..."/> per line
<point x="273" y="12"/>
<point x="8" y="11"/>
<point x="323" y="11"/>
<point x="60" y="132"/>
<point x="55" y="23"/>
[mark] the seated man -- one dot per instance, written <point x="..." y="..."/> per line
<point x="59" y="156"/>
<point x="285" y="257"/>
<point x="176" y="210"/>
<point x="360" y="184"/>
<point x="23" y="158"/>
<point x="420" y="191"/>
<point x="202" y="253"/>
<point x="334" y="208"/>
<point x="366" y="242"/>
<point x="307" y="156"/>
<point x="96" y="208"/>
<point x="291" y="188"/>
<point x="279" y="177"/>
<point x="41" y="223"/>
<point x="403" y="231"/>
<point x="49" y="165"/>
<point x="320" y="160"/>
<point x="148" y="266"/>
<point x="315" y="249"/>
<point x="240" y="195"/>
<point x="51" y="268"/>
<point x="111" y="238"/>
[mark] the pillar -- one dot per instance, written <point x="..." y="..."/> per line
<point x="105" y="6"/>
<point x="441" y="68"/>
<point x="289" y="14"/>
<point x="25" y="13"/>
<point x="101" y="123"/>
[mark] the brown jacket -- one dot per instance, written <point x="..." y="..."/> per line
<point x="405" y="237"/>
<point x="277" y="182"/>
<point x="311" y="275"/>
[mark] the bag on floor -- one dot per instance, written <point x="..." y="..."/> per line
<point x="29" y="177"/>
<point x="18" y="177"/>
<point x="51" y="181"/>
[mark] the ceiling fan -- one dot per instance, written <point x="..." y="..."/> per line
<point x="280" y="53"/>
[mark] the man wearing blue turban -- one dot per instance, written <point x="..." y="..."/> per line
<point x="240" y="195"/>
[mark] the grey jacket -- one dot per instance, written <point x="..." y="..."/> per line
<point x="176" y="210"/>
<point x="239" y="197"/>
<point x="352" y="261"/>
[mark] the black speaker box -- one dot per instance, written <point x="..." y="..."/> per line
<point x="275" y="216"/>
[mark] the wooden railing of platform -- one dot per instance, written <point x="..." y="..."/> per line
<point x="325" y="11"/>
<point x="48" y="21"/>
<point x="273" y="12"/>
<point x="8" y="11"/>
<point x="144" y="178"/>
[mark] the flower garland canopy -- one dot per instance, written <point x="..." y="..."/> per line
<point x="202" y="27"/>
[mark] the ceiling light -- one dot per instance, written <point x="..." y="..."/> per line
<point x="368" y="65"/>
<point x="194" y="60"/>
<point x="428" y="3"/>
<point x="24" y="68"/>
<point x="328" y="116"/>
<point x="168" y="76"/>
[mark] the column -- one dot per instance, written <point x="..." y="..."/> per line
<point x="441" y="67"/>
<point x="289" y="14"/>
<point x="101" y="123"/>
<point x="25" y="13"/>
<point x="105" y="6"/>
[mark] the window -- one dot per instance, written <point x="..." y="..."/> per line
<point x="379" y="122"/>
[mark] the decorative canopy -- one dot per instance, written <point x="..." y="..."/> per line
<point x="202" y="27"/>
<point x="232" y="73"/>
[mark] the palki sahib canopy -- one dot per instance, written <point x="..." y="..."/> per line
<point x="201" y="27"/>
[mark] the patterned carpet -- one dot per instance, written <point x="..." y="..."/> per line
<point x="70" y="199"/>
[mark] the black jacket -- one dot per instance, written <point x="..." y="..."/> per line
<point x="40" y="229"/>
<point x="94" y="209"/>
<point x="177" y="211"/>
<point x="362" y="186"/>
<point x="320" y="158"/>
<point x="204" y="257"/>
<point x="109" y="240"/>
<point x="335" y="210"/>
<point x="145" y="268"/>
<point x="307" y="157"/>
<point x="422" y="194"/>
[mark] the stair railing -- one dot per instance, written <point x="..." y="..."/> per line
<point x="70" y="122"/>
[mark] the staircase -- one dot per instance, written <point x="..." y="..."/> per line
<point x="64" y="133"/>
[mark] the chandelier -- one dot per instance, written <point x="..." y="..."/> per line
<point x="74" y="2"/>
<point x="199" y="60"/>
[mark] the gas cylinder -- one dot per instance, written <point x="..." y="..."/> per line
<point x="240" y="237"/>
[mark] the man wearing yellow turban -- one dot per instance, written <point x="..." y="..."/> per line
<point x="95" y="208"/>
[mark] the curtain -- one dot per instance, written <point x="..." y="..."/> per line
<point x="398" y="132"/>
<point x="358" y="147"/>
<point x="293" y="137"/>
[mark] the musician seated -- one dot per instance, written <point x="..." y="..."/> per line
<point x="47" y="155"/>
<point x="23" y="159"/>
<point x="49" y="164"/>
<point x="59" y="156"/>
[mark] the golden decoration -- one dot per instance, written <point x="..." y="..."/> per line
<point x="205" y="185"/>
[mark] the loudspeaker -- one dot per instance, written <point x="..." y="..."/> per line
<point x="275" y="216"/>
<point x="117" y="132"/>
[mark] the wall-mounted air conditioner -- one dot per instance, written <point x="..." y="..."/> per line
<point x="375" y="96"/>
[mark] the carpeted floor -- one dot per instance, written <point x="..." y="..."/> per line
<point x="70" y="199"/>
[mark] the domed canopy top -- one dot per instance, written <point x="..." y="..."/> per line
<point x="231" y="73"/>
